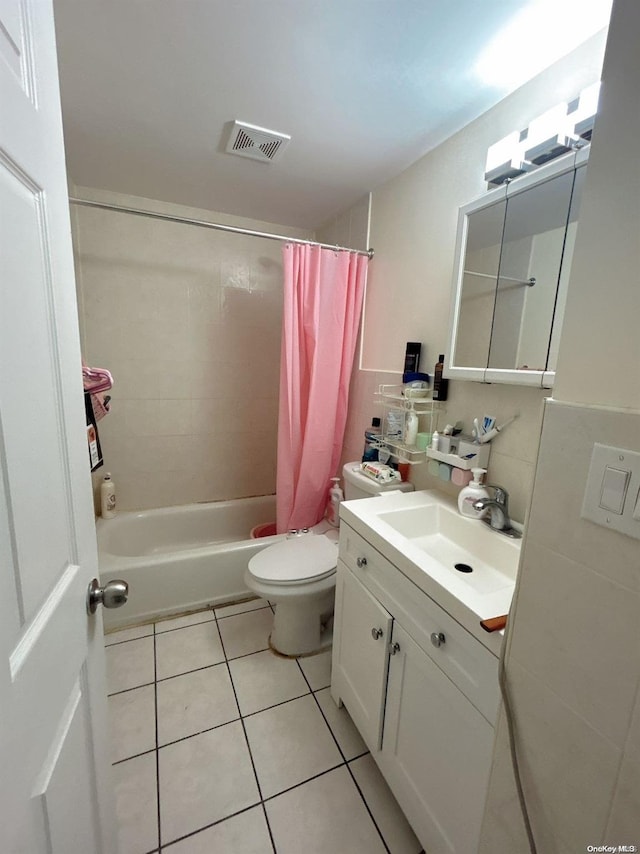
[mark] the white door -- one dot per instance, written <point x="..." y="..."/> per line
<point x="54" y="794"/>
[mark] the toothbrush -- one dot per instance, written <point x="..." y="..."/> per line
<point x="487" y="437"/>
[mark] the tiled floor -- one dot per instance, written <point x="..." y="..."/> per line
<point x="221" y="747"/>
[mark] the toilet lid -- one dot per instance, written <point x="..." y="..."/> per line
<point x="307" y="558"/>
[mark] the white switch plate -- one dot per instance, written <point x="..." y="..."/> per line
<point x="604" y="456"/>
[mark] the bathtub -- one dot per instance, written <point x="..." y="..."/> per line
<point x="183" y="558"/>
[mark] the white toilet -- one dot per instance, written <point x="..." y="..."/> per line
<point x="299" y="575"/>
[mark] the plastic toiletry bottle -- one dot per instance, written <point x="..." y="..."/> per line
<point x="107" y="497"/>
<point x="471" y="493"/>
<point x="333" y="507"/>
<point x="440" y="385"/>
<point x="411" y="427"/>
<point x="435" y="441"/>
<point x="371" y="437"/>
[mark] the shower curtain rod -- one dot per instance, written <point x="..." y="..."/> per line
<point x="215" y="225"/>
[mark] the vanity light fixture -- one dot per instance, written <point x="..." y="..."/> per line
<point x="586" y="108"/>
<point x="506" y="160"/>
<point x="549" y="136"/>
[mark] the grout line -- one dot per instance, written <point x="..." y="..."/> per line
<point x="242" y="613"/>
<point x="155" y="706"/>
<point x="346" y="763"/>
<point x="188" y="626"/>
<point x="128" y="640"/>
<point x="134" y="756"/>
<point x="304" y="782"/>
<point x="135" y="688"/>
<point x="246" y="738"/>
<point x="187" y="672"/>
<point x="208" y="826"/>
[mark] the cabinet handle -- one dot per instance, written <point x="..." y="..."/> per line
<point x="393" y="648"/>
<point x="361" y="562"/>
<point x="376" y="633"/>
<point x="437" y="638"/>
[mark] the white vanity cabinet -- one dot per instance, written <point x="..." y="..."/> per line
<point x="422" y="691"/>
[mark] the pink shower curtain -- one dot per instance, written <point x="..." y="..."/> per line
<point x="323" y="291"/>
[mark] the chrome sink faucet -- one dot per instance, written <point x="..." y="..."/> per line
<point x="498" y="508"/>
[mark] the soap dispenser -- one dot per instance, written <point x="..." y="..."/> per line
<point x="472" y="493"/>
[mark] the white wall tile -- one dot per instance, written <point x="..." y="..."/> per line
<point x="568" y="768"/>
<point x="588" y="653"/>
<point x="569" y="433"/>
<point x="182" y="317"/>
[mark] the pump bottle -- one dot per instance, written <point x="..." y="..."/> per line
<point x="472" y="493"/>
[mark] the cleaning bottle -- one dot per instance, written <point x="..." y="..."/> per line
<point x="107" y="497"/>
<point x="471" y="493"/>
<point x="333" y="506"/>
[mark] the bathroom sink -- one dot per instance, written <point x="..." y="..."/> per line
<point x="467" y="549"/>
<point x="463" y="565"/>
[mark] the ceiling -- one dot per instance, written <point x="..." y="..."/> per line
<point x="364" y="88"/>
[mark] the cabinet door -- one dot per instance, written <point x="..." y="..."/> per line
<point x="360" y="655"/>
<point x="436" y="751"/>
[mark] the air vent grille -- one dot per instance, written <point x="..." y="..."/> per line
<point x="256" y="143"/>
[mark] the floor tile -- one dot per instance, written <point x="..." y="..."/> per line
<point x="203" y="779"/>
<point x="246" y="833"/>
<point x="325" y="814"/>
<point x="186" y="620"/>
<point x="241" y="607"/>
<point x="193" y="702"/>
<point x="128" y="634"/>
<point x="388" y="816"/>
<point x="317" y="669"/>
<point x="343" y="728"/>
<point x="132" y="722"/>
<point x="290" y="743"/>
<point x="246" y="633"/>
<point x="130" y="664"/>
<point x="264" y="679"/>
<point x="136" y="804"/>
<point x="188" y="649"/>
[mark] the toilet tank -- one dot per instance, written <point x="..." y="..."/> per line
<point x="358" y="485"/>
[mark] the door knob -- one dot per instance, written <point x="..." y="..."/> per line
<point x="376" y="633"/>
<point x="114" y="594"/>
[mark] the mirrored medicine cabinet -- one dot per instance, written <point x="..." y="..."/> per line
<point x="513" y="259"/>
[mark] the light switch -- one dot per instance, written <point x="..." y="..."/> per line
<point x="614" y="489"/>
<point x="612" y="494"/>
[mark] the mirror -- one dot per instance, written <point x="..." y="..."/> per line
<point x="513" y="262"/>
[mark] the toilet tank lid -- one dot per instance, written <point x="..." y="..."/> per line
<point x="297" y="559"/>
<point x="353" y="473"/>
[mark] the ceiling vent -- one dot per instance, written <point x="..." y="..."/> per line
<point x="257" y="143"/>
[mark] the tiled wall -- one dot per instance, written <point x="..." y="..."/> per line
<point x="188" y="320"/>
<point x="573" y="659"/>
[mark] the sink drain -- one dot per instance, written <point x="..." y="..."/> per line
<point x="463" y="567"/>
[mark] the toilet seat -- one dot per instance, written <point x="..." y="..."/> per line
<point x="296" y="561"/>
